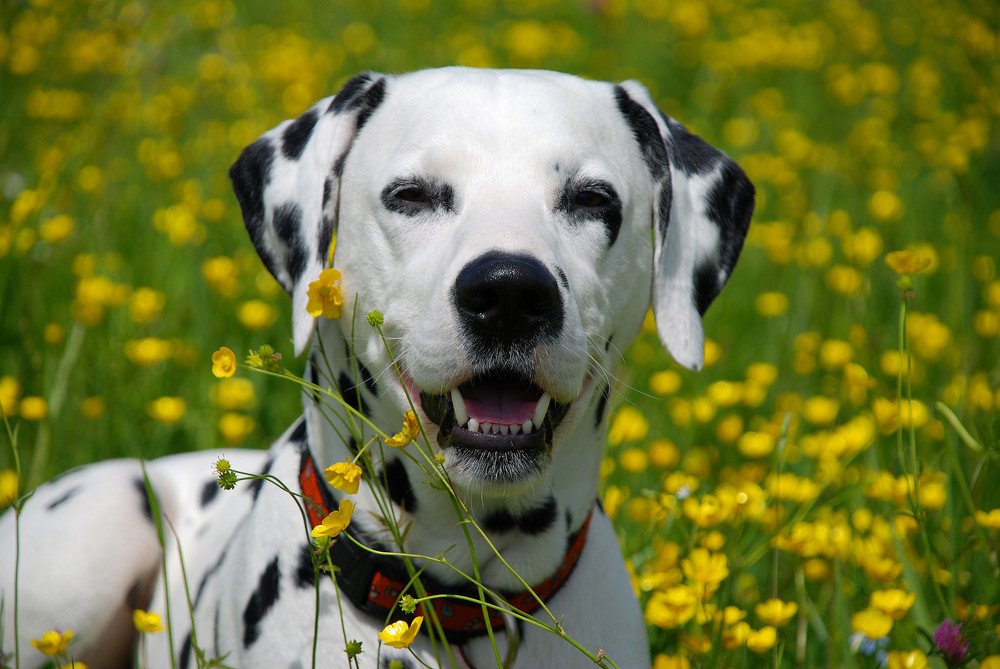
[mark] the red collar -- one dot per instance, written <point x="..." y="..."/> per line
<point x="374" y="583"/>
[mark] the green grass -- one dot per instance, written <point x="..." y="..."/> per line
<point x="877" y="117"/>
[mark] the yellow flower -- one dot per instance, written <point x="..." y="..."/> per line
<point x="234" y="394"/>
<point x="776" y="612"/>
<point x="146" y="621"/>
<point x="145" y="305"/>
<point x="399" y="634"/>
<point x="893" y="602"/>
<point x="344" y="476"/>
<point x="335" y="522"/>
<point x="755" y="444"/>
<point x="33" y="408"/>
<point x="256" y="315"/>
<point x="671" y="662"/>
<point x="915" y="659"/>
<point x="10" y="393"/>
<point x="672" y="607"/>
<point x="223" y="363"/>
<point x="235" y="427"/>
<point x="819" y="410"/>
<point x="991" y="662"/>
<point x="873" y="623"/>
<point x="706" y="568"/>
<point x="74" y="664"/>
<point x="909" y="261"/>
<point x="771" y="304"/>
<point x="8" y="487"/>
<point x="53" y="642"/>
<point x="628" y="425"/>
<point x="762" y="640"/>
<point x="409" y="432"/>
<point x="167" y="410"/>
<point x="57" y="229"/>
<point x="989" y="519"/>
<point x="325" y="298"/>
<point x="148" y="351"/>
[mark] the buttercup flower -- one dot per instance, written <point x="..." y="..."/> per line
<point x="907" y="262"/>
<point x="223" y="363"/>
<point x="894" y="603"/>
<point x="336" y="521"/>
<point x="325" y="298"/>
<point x="400" y="634"/>
<point x="409" y="432"/>
<point x="146" y="621"/>
<point x="344" y="476"/>
<point x="872" y="623"/>
<point x="776" y="612"/>
<point x="53" y="642"/>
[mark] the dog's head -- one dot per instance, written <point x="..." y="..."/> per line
<point x="512" y="227"/>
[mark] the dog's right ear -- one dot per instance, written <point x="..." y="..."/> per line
<point x="704" y="202"/>
<point x="288" y="186"/>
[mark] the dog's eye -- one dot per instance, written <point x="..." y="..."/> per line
<point x="413" y="194"/>
<point x="590" y="199"/>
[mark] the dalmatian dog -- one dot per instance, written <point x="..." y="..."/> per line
<point x="513" y="228"/>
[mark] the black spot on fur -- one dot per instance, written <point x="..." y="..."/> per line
<point x="706" y="286"/>
<point x="531" y="522"/>
<point x="147" y="508"/>
<point x="646" y="132"/>
<point x="209" y="491"/>
<point x="297" y="133"/>
<point x="602" y="406"/>
<point x="398" y="485"/>
<point x="250" y="174"/>
<point x="352" y="394"/>
<point x="66" y="496"/>
<point x="607" y="344"/>
<point x="298" y="435"/>
<point x="305" y="574"/>
<point x="350" y="91"/>
<point x="288" y="226"/>
<point x="691" y="153"/>
<point x="369" y="102"/>
<point x="186" y="651"/>
<point x="261" y="601"/>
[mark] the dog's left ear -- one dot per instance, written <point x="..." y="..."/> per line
<point x="703" y="202"/>
<point x="288" y="183"/>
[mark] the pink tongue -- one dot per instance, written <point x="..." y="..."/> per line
<point x="498" y="403"/>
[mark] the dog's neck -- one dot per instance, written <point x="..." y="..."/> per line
<point x="531" y="529"/>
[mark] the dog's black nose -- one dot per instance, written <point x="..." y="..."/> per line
<point x="505" y="299"/>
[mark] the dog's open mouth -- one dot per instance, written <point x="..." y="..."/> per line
<point x="495" y="412"/>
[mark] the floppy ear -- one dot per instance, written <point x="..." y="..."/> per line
<point x="287" y="184"/>
<point x="703" y="204"/>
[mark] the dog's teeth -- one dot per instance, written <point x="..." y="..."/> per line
<point x="473" y="425"/>
<point x="504" y="429"/>
<point x="458" y="404"/>
<point x="540" y="409"/>
<point x="515" y="429"/>
<point x="486" y="428"/>
<point x="527" y="427"/>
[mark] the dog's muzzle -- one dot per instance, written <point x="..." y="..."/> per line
<point x="506" y="305"/>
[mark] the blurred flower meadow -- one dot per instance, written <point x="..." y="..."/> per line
<point x="824" y="493"/>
